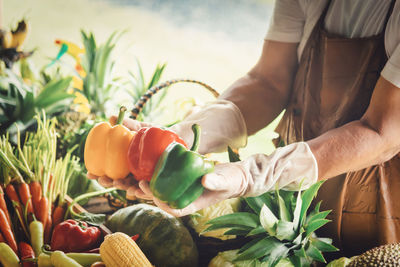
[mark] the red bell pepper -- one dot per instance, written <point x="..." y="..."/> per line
<point x="146" y="148"/>
<point x="26" y="252"/>
<point x="75" y="236"/>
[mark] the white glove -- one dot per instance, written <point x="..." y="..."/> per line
<point x="291" y="167"/>
<point x="221" y="123"/>
<point x="287" y="168"/>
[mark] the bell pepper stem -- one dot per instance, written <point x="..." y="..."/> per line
<point x="121" y="115"/>
<point x="196" y="140"/>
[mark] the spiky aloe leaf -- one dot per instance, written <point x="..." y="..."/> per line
<point x="295" y="260"/>
<point x="268" y="220"/>
<point x="315" y="254"/>
<point x="279" y="252"/>
<point x="313" y="226"/>
<point x="256" y="203"/>
<point x="290" y="200"/>
<point x="283" y="209"/>
<point x="285" y="230"/>
<point x="297" y="211"/>
<point x="307" y="197"/>
<point x="213" y="227"/>
<point x="323" y="244"/>
<point x="241" y="220"/>
<point x="317" y="216"/>
<point x="256" y="231"/>
<point x="258" y="249"/>
<point x="238" y="231"/>
<point x="284" y="226"/>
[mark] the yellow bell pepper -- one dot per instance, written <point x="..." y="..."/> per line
<point x="106" y="149"/>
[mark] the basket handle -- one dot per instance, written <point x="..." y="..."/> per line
<point x="144" y="98"/>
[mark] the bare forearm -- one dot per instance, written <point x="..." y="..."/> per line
<point x="263" y="93"/>
<point x="259" y="101"/>
<point x="371" y="140"/>
<point x="349" y="148"/>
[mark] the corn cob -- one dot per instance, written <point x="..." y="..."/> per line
<point x="119" y="250"/>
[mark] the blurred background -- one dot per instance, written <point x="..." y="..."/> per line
<point x="214" y="41"/>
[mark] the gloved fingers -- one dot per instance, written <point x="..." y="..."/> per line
<point x="228" y="177"/>
<point x="144" y="190"/>
<point x="124" y="184"/>
<point x="92" y="176"/>
<point x="105" y="181"/>
<point x="131" y="192"/>
<point x="208" y="198"/>
<point x="215" y="182"/>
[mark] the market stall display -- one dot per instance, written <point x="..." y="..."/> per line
<point x="54" y="131"/>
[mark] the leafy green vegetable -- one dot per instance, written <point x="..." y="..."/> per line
<point x="280" y="227"/>
<point x="20" y="102"/>
<point x="99" y="85"/>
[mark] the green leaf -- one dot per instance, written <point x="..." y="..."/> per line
<point x="233" y="156"/>
<point x="268" y="220"/>
<point x="7" y="100"/>
<point x="297" y="211"/>
<point x="238" y="218"/>
<point x="289" y="199"/>
<point x="256" y="203"/>
<point x="283" y="209"/>
<point x="237" y="231"/>
<point x="298" y="238"/>
<point x="301" y="253"/>
<point x="310" y="228"/>
<point x="261" y="248"/>
<point x="250" y="244"/>
<point x="279" y="252"/>
<point x="285" y="231"/>
<point x="307" y="197"/>
<point x="53" y="87"/>
<point x="295" y="260"/>
<point x="256" y="231"/>
<point x="315" y="254"/>
<point x="317" y="216"/>
<point x="224" y="226"/>
<point x="323" y="246"/>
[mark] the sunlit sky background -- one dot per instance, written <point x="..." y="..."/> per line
<point x="215" y="41"/>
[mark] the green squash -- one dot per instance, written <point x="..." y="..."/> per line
<point x="162" y="237"/>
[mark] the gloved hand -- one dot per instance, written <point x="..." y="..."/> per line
<point x="288" y="167"/>
<point x="221" y="124"/>
<point x="129" y="184"/>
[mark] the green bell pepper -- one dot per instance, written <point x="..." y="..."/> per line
<point x="177" y="175"/>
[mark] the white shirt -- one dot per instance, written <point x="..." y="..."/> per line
<point x="293" y="21"/>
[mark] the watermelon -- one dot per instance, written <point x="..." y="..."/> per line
<point x="162" y="237"/>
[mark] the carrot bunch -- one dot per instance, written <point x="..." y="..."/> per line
<point x="33" y="183"/>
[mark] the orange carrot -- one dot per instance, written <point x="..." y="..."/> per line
<point x="25" y="196"/>
<point x="5" y="228"/>
<point x="43" y="211"/>
<point x="2" y="240"/>
<point x="48" y="230"/>
<point x="58" y="215"/>
<point x="13" y="196"/>
<point x="3" y="205"/>
<point x="36" y="191"/>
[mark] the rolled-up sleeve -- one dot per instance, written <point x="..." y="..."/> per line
<point x="391" y="71"/>
<point x="287" y="22"/>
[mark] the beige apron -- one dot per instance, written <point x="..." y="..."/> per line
<point x="333" y="86"/>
